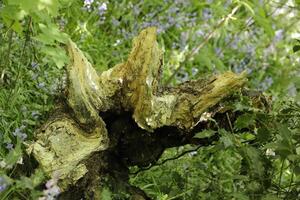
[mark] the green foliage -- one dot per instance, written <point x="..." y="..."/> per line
<point x="258" y="159"/>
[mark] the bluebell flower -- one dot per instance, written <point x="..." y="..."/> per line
<point x="234" y="43"/>
<point x="219" y="52"/>
<point x="9" y="146"/>
<point x="34" y="65"/>
<point x="62" y="22"/>
<point x="194" y="71"/>
<point x="184" y="36"/>
<point x="278" y="35"/>
<point x="102" y="7"/>
<point x="136" y="10"/>
<point x="199" y="32"/>
<point x="206" y="14"/>
<point x="173" y="9"/>
<point x="52" y="190"/>
<point x="41" y="85"/>
<point x="115" y="22"/>
<point x="266" y="83"/>
<point x="35" y="114"/>
<point x="87" y="4"/>
<point x="3" y="184"/>
<point x="249" y="49"/>
<point x="182" y="76"/>
<point x="292" y="90"/>
<point x="19" y="132"/>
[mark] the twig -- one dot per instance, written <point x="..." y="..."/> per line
<point x="229" y="122"/>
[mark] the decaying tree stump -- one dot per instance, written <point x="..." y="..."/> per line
<point x="121" y="118"/>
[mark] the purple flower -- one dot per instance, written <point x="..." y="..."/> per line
<point x="182" y="76"/>
<point x="41" y="85"/>
<point x="206" y="13"/>
<point x="102" y="8"/>
<point x="9" y="146"/>
<point x="292" y="90"/>
<point x="136" y="10"/>
<point x="184" y="36"/>
<point x="278" y="35"/>
<point x="87" y="4"/>
<point x="173" y="10"/>
<point x="18" y="132"/>
<point x="115" y="22"/>
<point x="194" y="71"/>
<point x="3" y="184"/>
<point x="266" y="83"/>
<point x="234" y="43"/>
<point x="34" y="65"/>
<point x="52" y="190"/>
<point x="249" y="48"/>
<point x="199" y="32"/>
<point x="219" y="52"/>
<point x="35" y="114"/>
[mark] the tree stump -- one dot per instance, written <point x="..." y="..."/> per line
<point x="120" y="118"/>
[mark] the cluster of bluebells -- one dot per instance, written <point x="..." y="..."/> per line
<point x="3" y="184"/>
<point x="52" y="190"/>
<point x="19" y="132"/>
<point x="266" y="83"/>
<point x="39" y="75"/>
<point x="100" y="6"/>
<point x="162" y="18"/>
<point x="87" y="4"/>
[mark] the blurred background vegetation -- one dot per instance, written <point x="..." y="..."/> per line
<point x="260" y="161"/>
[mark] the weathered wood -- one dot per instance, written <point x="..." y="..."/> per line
<point x="67" y="141"/>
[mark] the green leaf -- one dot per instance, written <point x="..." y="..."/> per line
<point x="51" y="6"/>
<point x="227" y="138"/>
<point x="50" y="34"/>
<point x="263" y="134"/>
<point x="31" y="182"/>
<point x="57" y="55"/>
<point x="253" y="158"/>
<point x="284" y="148"/>
<point x="14" y="155"/>
<point x="205" y="133"/>
<point x="244" y="121"/>
<point x="247" y="136"/>
<point x="11" y="15"/>
<point x="26" y="5"/>
<point x="284" y="132"/>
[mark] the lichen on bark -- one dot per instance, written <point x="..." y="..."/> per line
<point x="69" y="139"/>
